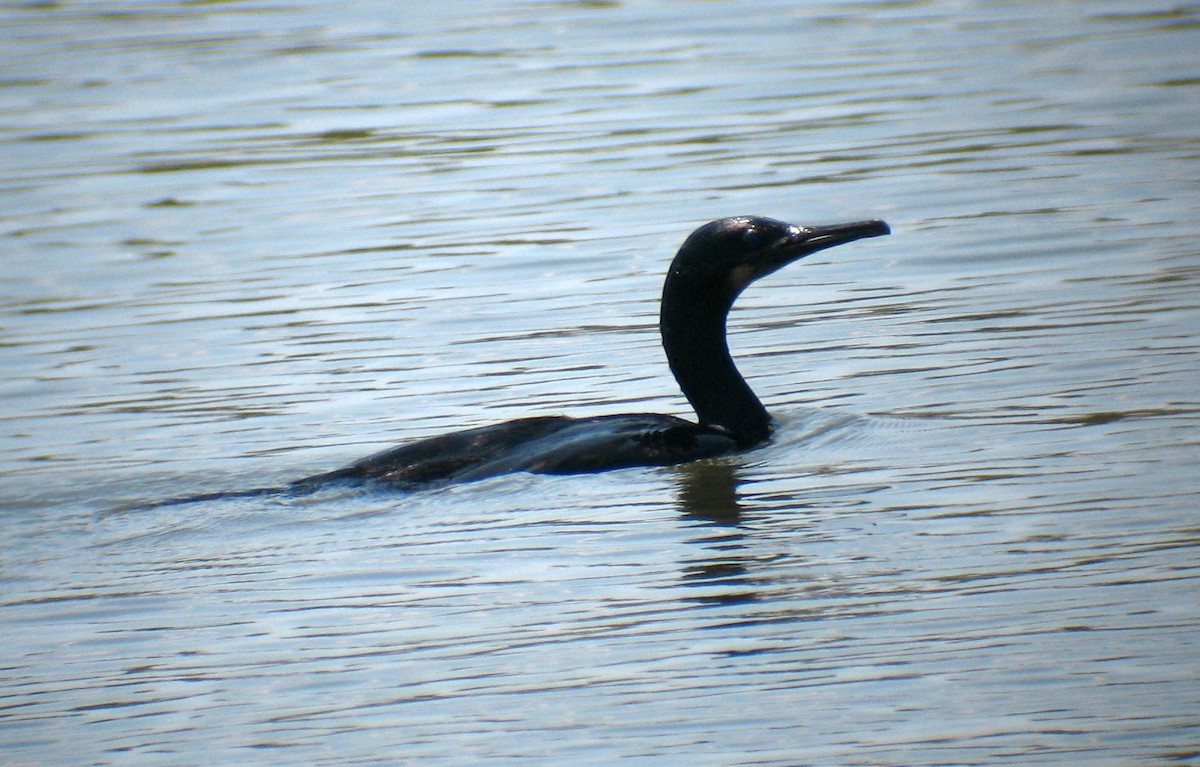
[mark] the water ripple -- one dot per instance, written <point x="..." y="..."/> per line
<point x="246" y="242"/>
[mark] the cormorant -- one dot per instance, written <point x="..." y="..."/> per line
<point x="713" y="266"/>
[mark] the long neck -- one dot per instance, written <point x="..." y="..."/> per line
<point x="692" y="323"/>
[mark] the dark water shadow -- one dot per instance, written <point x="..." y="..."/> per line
<point x="708" y="490"/>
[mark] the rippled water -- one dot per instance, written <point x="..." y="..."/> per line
<point x="243" y="242"/>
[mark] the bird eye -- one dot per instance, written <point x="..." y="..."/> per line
<point x="753" y="239"/>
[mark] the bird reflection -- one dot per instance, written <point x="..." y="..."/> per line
<point x="722" y="574"/>
<point x="708" y="490"/>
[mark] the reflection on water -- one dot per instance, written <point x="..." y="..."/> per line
<point x="245" y="243"/>
<point x="708" y="490"/>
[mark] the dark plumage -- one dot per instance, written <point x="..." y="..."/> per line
<point x="712" y="267"/>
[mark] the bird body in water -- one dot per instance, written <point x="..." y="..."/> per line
<point x="711" y="269"/>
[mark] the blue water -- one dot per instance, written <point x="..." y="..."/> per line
<point x="243" y="242"/>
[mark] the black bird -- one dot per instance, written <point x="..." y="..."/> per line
<point x="712" y="267"/>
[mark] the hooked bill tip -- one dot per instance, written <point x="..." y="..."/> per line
<point x="875" y="227"/>
<point x="836" y="234"/>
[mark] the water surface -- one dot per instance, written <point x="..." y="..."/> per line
<point x="244" y="242"/>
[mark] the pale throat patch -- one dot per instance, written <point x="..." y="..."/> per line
<point x="738" y="277"/>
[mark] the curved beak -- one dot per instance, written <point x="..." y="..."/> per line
<point x="818" y="237"/>
<point x="801" y="241"/>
